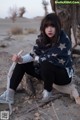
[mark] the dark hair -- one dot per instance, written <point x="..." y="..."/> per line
<point x="53" y="20"/>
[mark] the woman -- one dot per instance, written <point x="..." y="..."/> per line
<point x="52" y="52"/>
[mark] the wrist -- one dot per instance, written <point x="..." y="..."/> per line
<point x="20" y="60"/>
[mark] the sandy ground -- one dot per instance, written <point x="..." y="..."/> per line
<point x="28" y="107"/>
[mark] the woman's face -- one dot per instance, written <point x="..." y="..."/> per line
<point x="50" y="31"/>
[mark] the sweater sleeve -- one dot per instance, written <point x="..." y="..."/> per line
<point x="27" y="58"/>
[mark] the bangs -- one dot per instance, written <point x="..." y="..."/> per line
<point x="51" y="20"/>
<point x="49" y="23"/>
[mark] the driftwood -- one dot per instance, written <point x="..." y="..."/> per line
<point x="11" y="70"/>
<point x="8" y="79"/>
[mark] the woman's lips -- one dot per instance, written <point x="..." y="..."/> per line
<point x="49" y="33"/>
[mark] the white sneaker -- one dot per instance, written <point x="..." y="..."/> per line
<point x="46" y="95"/>
<point x="5" y="99"/>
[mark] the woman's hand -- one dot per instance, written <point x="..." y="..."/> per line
<point x="16" y="58"/>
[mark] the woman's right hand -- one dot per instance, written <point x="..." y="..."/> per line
<point x="16" y="58"/>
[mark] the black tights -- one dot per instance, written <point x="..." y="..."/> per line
<point x="48" y="73"/>
<point x="19" y="71"/>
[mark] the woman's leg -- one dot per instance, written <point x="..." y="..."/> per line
<point x="19" y="72"/>
<point x="47" y="74"/>
<point x="53" y="74"/>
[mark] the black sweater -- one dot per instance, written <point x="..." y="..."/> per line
<point x="58" y="54"/>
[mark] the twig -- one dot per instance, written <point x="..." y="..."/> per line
<point x="55" y="111"/>
<point x="43" y="103"/>
<point x="39" y="110"/>
<point x="43" y="112"/>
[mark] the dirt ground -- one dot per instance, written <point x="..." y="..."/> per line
<point x="27" y="106"/>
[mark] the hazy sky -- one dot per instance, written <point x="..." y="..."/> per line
<point x="33" y="7"/>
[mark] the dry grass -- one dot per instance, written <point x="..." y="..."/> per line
<point x="30" y="31"/>
<point x="16" y="30"/>
<point x="3" y="46"/>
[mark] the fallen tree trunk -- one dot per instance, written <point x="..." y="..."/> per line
<point x="75" y="51"/>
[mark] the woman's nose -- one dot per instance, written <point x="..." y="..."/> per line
<point x="49" y="28"/>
